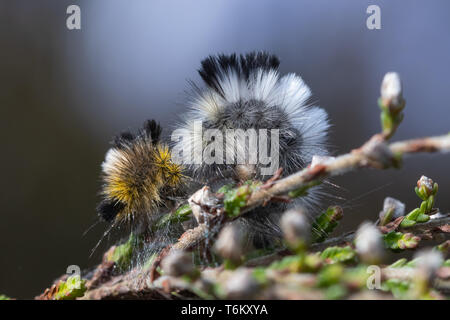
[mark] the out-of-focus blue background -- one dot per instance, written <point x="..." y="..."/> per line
<point x="63" y="94"/>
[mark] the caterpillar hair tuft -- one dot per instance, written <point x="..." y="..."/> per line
<point x="138" y="176"/>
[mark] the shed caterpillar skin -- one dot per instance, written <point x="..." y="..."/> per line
<point x="138" y="176"/>
<point x="247" y="92"/>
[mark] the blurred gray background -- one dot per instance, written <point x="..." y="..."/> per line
<point x="63" y="94"/>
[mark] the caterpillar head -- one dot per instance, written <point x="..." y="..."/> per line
<point x="246" y="92"/>
<point x="138" y="174"/>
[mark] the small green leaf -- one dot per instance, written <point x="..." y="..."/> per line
<point x="406" y="223"/>
<point x="313" y="262"/>
<point x="226" y="188"/>
<point x="180" y="215"/>
<point x="260" y="275"/>
<point x="399" y="263"/>
<point x="72" y="288"/>
<point x="356" y="277"/>
<point x="236" y="198"/>
<point x="123" y="253"/>
<point x="298" y="263"/>
<point x="326" y="223"/>
<point x="338" y="254"/>
<point x="420" y="193"/>
<point x="398" y="288"/>
<point x="335" y="292"/>
<point x="423" y="218"/>
<point x="400" y="241"/>
<point x="292" y="263"/>
<point x="303" y="191"/>
<point x="387" y="216"/>
<point x="411" y="264"/>
<point x="330" y="275"/>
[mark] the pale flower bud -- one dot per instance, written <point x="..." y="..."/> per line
<point x="391" y="88"/>
<point x="392" y="209"/>
<point x="428" y="261"/>
<point x="230" y="243"/>
<point x="177" y="263"/>
<point x="241" y="285"/>
<point x="369" y="243"/>
<point x="296" y="227"/>
<point x="425" y="183"/>
<point x="397" y="205"/>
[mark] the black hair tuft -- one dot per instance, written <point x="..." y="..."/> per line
<point x="123" y="139"/>
<point x="214" y="67"/>
<point x="108" y="209"/>
<point x="152" y="130"/>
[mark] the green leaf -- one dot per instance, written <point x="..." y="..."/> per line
<point x="338" y="254"/>
<point x="423" y="218"/>
<point x="400" y="241"/>
<point x="413" y="214"/>
<point x="399" y="263"/>
<point x="412" y="263"/>
<point x="330" y="275"/>
<point x="303" y="191"/>
<point x="180" y="215"/>
<point x="326" y="223"/>
<point x="406" y="223"/>
<point x="398" y="288"/>
<point x="356" y="277"/>
<point x="123" y="253"/>
<point x="260" y="275"/>
<point x="313" y="262"/>
<point x="3" y="297"/>
<point x="292" y="263"/>
<point x="236" y="198"/>
<point x="298" y="263"/>
<point x="226" y="188"/>
<point x="335" y="292"/>
<point x="387" y="216"/>
<point x="420" y="193"/>
<point x="72" y="288"/>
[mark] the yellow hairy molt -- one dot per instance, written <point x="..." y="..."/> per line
<point x="139" y="177"/>
<point x="169" y="172"/>
<point x="120" y="190"/>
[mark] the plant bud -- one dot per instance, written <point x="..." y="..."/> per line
<point x="391" y="89"/>
<point x="177" y="263"/>
<point x="296" y="227"/>
<point x="241" y="285"/>
<point x="428" y="261"/>
<point x="230" y="243"/>
<point x="369" y="243"/>
<point x="425" y="184"/>
<point x="392" y="209"/>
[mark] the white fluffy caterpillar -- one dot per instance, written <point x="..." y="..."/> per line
<point x="247" y="92"/>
